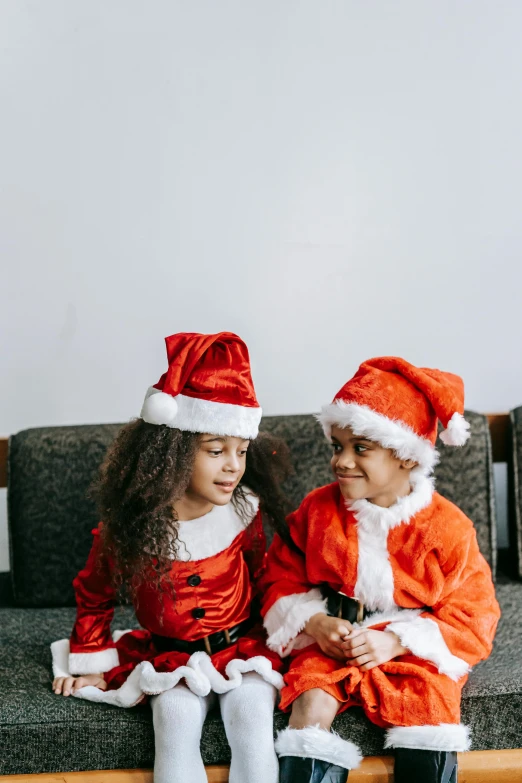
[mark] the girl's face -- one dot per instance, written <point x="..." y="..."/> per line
<point x="368" y="471"/>
<point x="218" y="468"/>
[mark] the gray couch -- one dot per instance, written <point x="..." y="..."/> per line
<point x="515" y="481"/>
<point x="50" y="518"/>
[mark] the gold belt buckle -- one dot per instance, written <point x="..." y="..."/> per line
<point x="340" y="610"/>
<point x="206" y="641"/>
<point x="360" y="608"/>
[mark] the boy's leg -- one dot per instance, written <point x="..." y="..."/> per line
<point x="308" y="751"/>
<point x="314" y="708"/>
<point x="178" y="717"/>
<point x="248" y="717"/>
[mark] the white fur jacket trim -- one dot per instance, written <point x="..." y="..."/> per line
<point x="285" y="620"/>
<point x="424" y="638"/>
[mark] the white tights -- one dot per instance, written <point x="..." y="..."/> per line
<point x="247" y="713"/>
<point x="248" y="716"/>
<point x="178" y="716"/>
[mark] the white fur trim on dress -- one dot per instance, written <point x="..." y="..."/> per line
<point x="93" y="662"/>
<point x="374" y="586"/>
<point x="193" y="414"/>
<point x="214" y="532"/>
<point x="457" y="431"/>
<point x="199" y="674"/>
<point x="424" y="638"/>
<point x="445" y="736"/>
<point x="315" y="743"/>
<point x="287" y="617"/>
<point x="389" y="433"/>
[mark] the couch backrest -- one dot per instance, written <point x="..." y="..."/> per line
<point x="515" y="477"/>
<point x="50" y="515"/>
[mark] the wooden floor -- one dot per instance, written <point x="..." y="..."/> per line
<point x="481" y="766"/>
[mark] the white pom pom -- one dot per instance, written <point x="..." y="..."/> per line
<point x="457" y="431"/>
<point x="160" y="408"/>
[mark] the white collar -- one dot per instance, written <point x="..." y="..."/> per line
<point x="213" y="532"/>
<point x="372" y="516"/>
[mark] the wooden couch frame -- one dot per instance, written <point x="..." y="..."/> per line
<point x="479" y="766"/>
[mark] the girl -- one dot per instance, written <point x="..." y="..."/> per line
<point x="181" y="494"/>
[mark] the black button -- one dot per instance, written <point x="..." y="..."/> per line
<point x="194" y="580"/>
<point x="198" y="613"/>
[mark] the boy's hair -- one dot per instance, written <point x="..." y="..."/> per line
<point x="148" y="468"/>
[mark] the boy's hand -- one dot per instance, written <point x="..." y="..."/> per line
<point x="366" y="649"/>
<point x="69" y="685"/>
<point x="329" y="633"/>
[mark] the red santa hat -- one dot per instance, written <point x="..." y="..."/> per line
<point x="207" y="387"/>
<point x="397" y="405"/>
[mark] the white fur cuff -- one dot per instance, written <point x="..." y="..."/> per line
<point x="287" y="617"/>
<point x="60" y="654"/>
<point x="315" y="743"/>
<point x="446" y="736"/>
<point x="94" y="662"/>
<point x="423" y="637"/>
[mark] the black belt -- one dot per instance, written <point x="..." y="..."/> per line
<point x="212" y="643"/>
<point x="342" y="606"/>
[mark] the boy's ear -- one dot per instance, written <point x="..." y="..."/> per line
<point x="409" y="464"/>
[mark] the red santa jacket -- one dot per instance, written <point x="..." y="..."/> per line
<point x="213" y="578"/>
<point x="416" y="567"/>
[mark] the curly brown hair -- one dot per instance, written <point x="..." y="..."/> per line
<point x="148" y="468"/>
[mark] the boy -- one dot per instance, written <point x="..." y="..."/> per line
<point x="383" y="599"/>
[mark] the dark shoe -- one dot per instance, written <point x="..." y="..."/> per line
<point x="293" y="769"/>
<point x="425" y="766"/>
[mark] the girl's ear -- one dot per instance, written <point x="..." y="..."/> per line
<point x="408" y="464"/>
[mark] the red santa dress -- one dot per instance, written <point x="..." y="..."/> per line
<point x="214" y="580"/>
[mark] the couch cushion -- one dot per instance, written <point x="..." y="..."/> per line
<point x="50" y="515"/>
<point x="43" y="732"/>
<point x="515" y="478"/>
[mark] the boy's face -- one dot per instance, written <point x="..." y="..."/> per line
<point x="218" y="468"/>
<point x="368" y="471"/>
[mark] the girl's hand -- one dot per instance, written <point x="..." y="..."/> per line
<point x="329" y="633"/>
<point x="366" y="649"/>
<point x="69" y="685"/>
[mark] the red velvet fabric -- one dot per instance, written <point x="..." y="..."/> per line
<point x="214" y="367"/>
<point x="225" y="592"/>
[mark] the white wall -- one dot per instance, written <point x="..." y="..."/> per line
<point x="332" y="180"/>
